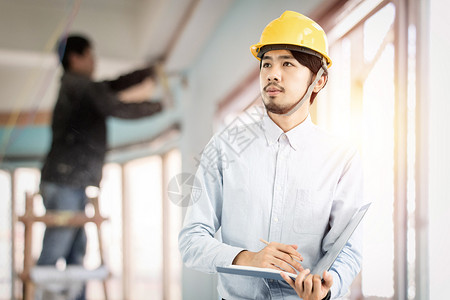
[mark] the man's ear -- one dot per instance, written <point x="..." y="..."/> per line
<point x="73" y="59"/>
<point x="321" y="83"/>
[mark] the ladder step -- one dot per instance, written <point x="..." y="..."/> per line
<point x="50" y="274"/>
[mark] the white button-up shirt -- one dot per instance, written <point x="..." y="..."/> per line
<point x="300" y="187"/>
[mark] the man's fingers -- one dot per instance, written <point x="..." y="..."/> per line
<point x="288" y="259"/>
<point x="288" y="279"/>
<point x="268" y="259"/>
<point x="300" y="278"/>
<point x="280" y="257"/>
<point x="281" y="265"/>
<point x="327" y="279"/>
<point x="294" y="246"/>
<point x="289" y="249"/>
<point x="317" y="285"/>
<point x="308" y="284"/>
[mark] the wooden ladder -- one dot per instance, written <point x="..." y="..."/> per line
<point x="54" y="219"/>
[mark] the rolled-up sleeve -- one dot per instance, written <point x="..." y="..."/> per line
<point x="130" y="79"/>
<point x="107" y="103"/>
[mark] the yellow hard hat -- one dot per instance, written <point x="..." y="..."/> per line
<point x="293" y="31"/>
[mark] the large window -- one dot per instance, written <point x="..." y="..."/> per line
<point x="371" y="102"/>
<point x="359" y="106"/>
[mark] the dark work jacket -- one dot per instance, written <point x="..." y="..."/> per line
<point x="79" y="144"/>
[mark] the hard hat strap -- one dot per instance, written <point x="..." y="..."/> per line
<point x="308" y="93"/>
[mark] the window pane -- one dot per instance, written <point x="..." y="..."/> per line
<point x="378" y="160"/>
<point x="110" y="202"/>
<point x="375" y="30"/>
<point x="173" y="167"/>
<point x="334" y="105"/>
<point x="144" y="200"/>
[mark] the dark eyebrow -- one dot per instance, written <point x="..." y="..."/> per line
<point x="286" y="57"/>
<point x="266" y="57"/>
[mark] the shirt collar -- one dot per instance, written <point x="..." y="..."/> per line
<point x="295" y="135"/>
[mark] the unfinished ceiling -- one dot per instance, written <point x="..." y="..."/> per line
<point x="126" y="34"/>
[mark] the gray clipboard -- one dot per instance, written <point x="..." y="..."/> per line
<point x="324" y="263"/>
<point x="254" y="272"/>
<point x="328" y="259"/>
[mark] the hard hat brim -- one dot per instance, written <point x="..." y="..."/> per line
<point x="258" y="50"/>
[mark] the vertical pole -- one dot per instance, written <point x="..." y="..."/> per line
<point x="13" y="235"/>
<point x="28" y="259"/>
<point x="98" y="223"/>
<point x="125" y="239"/>
<point x="356" y="92"/>
<point x="166" y="229"/>
<point x="400" y="151"/>
<point x="422" y="13"/>
<point x="356" y="105"/>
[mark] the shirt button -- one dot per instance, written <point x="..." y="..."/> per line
<point x="278" y="188"/>
<point x="275" y="219"/>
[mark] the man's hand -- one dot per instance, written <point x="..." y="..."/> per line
<point x="310" y="287"/>
<point x="275" y="256"/>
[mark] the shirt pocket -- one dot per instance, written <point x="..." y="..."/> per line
<point x="312" y="211"/>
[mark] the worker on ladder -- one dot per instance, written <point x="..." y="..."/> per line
<point x="78" y="147"/>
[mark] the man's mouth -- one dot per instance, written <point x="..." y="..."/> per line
<point x="273" y="90"/>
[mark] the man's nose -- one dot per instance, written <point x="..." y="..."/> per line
<point x="274" y="75"/>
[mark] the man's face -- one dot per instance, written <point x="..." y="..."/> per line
<point x="83" y="64"/>
<point x="283" y="81"/>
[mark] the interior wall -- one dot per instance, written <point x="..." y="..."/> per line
<point x="439" y="148"/>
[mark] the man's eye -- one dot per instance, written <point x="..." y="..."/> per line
<point x="266" y="65"/>
<point x="287" y="64"/>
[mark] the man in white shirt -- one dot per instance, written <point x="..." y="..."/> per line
<point x="285" y="181"/>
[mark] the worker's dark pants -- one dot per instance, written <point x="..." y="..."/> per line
<point x="63" y="242"/>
